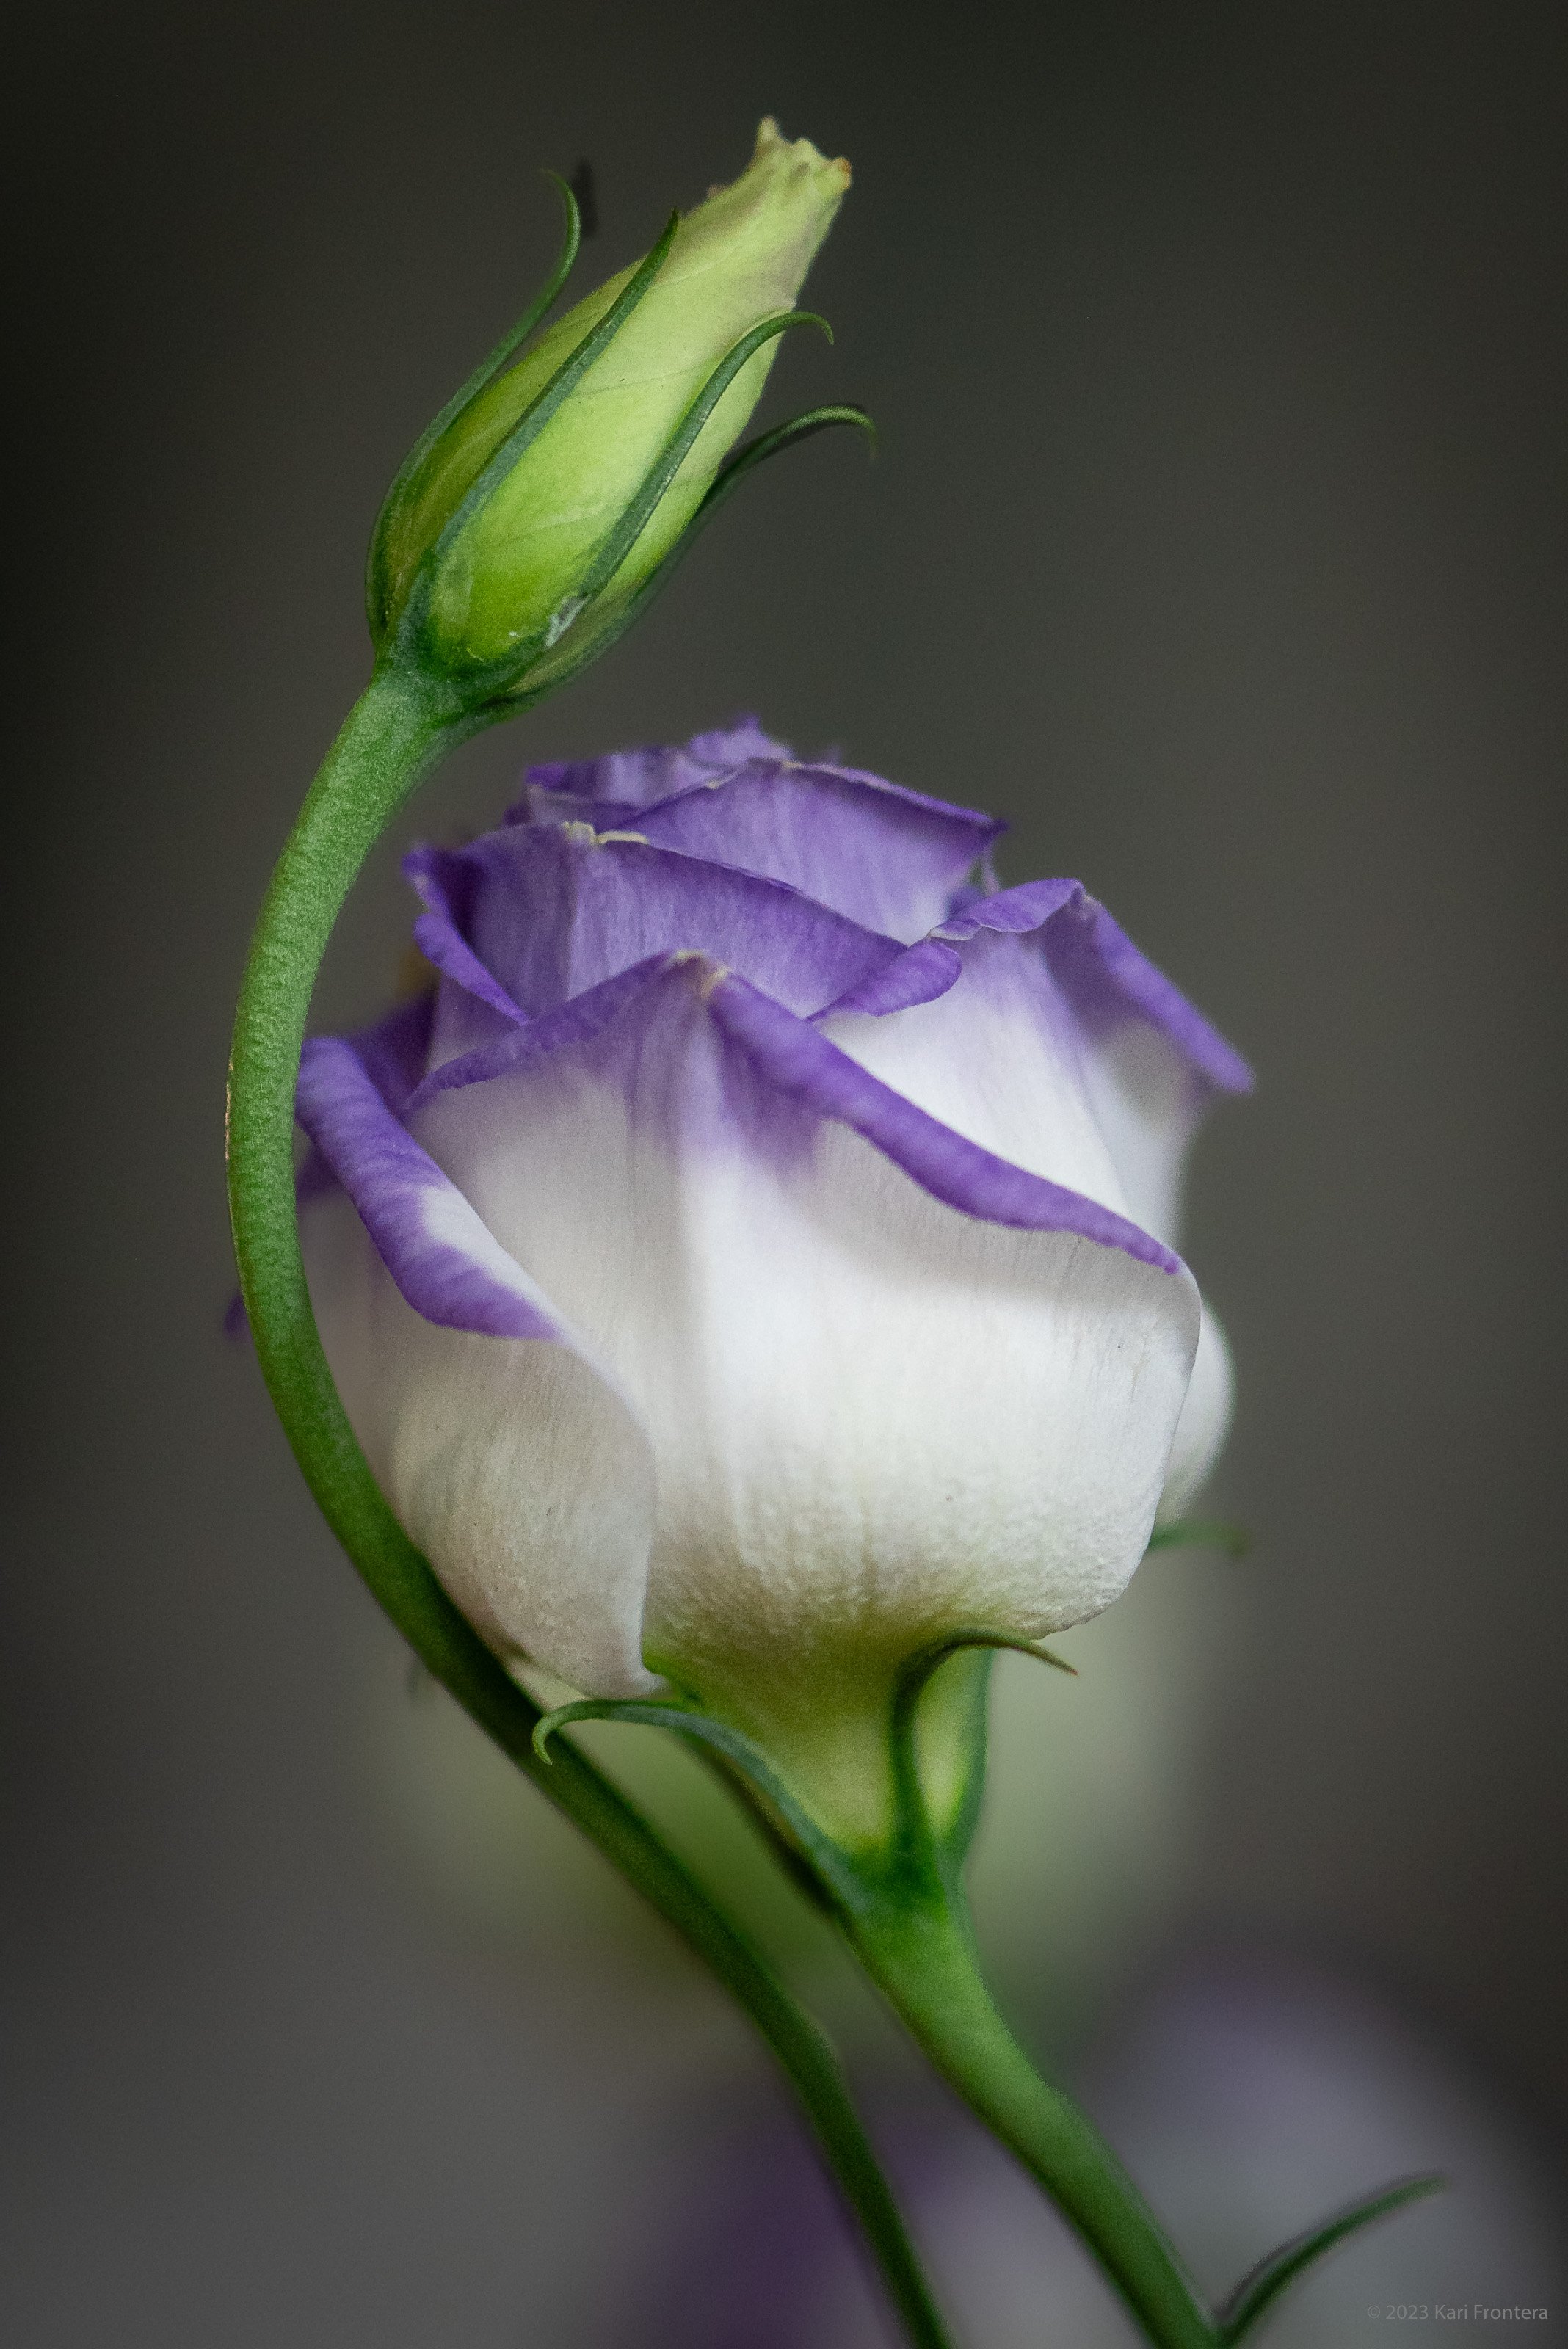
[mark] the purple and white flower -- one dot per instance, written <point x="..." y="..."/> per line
<point x="754" y="1259"/>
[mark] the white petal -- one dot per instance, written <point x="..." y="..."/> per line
<point x="512" y="1462"/>
<point x="998" y="1059"/>
<point x="1204" y="1422"/>
<point x="873" y="1417"/>
<point x="1147" y="1104"/>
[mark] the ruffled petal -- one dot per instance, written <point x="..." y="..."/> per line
<point x="996" y="1061"/>
<point x="797" y="1278"/>
<point x="393" y="1055"/>
<point x="507" y="1453"/>
<point x="1060" y="1042"/>
<point x="919" y="975"/>
<point x="1105" y="977"/>
<point x="888" y="857"/>
<point x="445" y="1261"/>
<point x="802" y="1065"/>
<point x="634" y="779"/>
<point x="394" y="1051"/>
<point x="554" y="910"/>
<point x="472" y="1006"/>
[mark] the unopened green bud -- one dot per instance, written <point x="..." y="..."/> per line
<point x="547" y="499"/>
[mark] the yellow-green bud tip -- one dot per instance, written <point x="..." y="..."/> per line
<point x="779" y="210"/>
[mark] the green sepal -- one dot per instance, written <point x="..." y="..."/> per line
<point x="954" y="1835"/>
<point x="461" y="399"/>
<point x="755" y="452"/>
<point x="527" y="428"/>
<point x="918" y="1671"/>
<point x="917" y="1834"/>
<point x="1257" y="2293"/>
<point x="1201" y="1533"/>
<point x="820" y="1851"/>
<point x="724" y="483"/>
<point x="501" y="680"/>
<point x="617" y="543"/>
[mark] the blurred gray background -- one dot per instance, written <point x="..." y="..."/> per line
<point x="1217" y="538"/>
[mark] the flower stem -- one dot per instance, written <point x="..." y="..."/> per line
<point x="923" y="1953"/>
<point x="395" y="734"/>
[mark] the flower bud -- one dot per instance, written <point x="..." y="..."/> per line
<point x="529" y="569"/>
<point x="754" y="1263"/>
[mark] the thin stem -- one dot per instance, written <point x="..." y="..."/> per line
<point x="394" y="735"/>
<point x="923" y="1953"/>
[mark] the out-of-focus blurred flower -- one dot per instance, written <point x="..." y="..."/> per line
<point x="753" y="1261"/>
<point x="1248" y="2091"/>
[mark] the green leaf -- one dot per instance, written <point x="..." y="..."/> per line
<point x="1256" y="2294"/>
<point x="597" y="1708"/>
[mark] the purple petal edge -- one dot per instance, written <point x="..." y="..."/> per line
<point x="574" y="1022"/>
<point x="990" y="826"/>
<point x="1134" y="978"/>
<point x="653" y="770"/>
<point x="438" y="932"/>
<point x="797" y="1061"/>
<point x="391" y="1052"/>
<point x="919" y="975"/>
<point x="447" y="1263"/>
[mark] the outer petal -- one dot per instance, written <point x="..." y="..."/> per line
<point x="1150" y="1065"/>
<point x="1108" y="979"/>
<point x="1058" y="1035"/>
<point x="393" y="1054"/>
<point x="805" y="1070"/>
<point x="995" y="1059"/>
<point x="1151" y="1062"/>
<point x="508" y="1455"/>
<point x="876" y="1408"/>
<point x="1204" y="1424"/>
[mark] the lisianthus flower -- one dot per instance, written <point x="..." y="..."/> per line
<point x="752" y="1261"/>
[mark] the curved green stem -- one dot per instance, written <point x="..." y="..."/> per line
<point x="394" y="735"/>
<point x="921" y="1949"/>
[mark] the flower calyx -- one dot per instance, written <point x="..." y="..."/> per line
<point x="934" y="1776"/>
